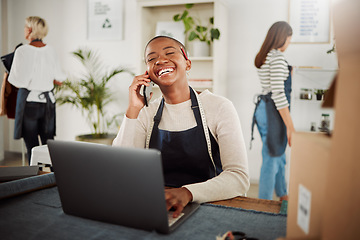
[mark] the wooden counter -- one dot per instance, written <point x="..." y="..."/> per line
<point x="263" y="205"/>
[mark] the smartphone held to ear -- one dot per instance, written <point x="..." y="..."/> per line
<point x="146" y="93"/>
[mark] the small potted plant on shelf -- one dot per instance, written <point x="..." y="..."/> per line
<point x="91" y="94"/>
<point x="319" y="94"/>
<point x="202" y="35"/>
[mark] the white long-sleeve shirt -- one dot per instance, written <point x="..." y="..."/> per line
<point x="224" y="125"/>
<point x="273" y="73"/>
<point x="35" y="68"/>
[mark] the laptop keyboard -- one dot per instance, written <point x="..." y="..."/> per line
<point x="173" y="220"/>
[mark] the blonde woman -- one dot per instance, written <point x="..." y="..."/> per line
<point x="34" y="71"/>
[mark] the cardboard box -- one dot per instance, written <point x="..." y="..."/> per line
<point x="310" y="155"/>
<point x="341" y="218"/>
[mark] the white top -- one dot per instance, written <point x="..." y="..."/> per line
<point x="273" y="74"/>
<point x="35" y="68"/>
<point x="224" y="125"/>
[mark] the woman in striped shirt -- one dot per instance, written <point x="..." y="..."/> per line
<point x="272" y="113"/>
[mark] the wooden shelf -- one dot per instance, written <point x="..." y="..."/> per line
<point x="152" y="11"/>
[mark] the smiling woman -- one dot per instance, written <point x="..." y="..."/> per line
<point x="165" y="58"/>
<point x="188" y="128"/>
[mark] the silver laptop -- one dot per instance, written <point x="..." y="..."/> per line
<point x="123" y="186"/>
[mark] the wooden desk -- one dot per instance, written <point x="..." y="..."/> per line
<point x="263" y="205"/>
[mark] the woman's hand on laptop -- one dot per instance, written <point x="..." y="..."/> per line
<point x="177" y="198"/>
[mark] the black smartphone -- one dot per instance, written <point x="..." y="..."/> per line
<point x="146" y="93"/>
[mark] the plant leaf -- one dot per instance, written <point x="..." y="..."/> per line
<point x="194" y="29"/>
<point x="177" y="18"/>
<point x="201" y="29"/>
<point x="215" y="34"/>
<point x="211" y="20"/>
<point x="193" y="36"/>
<point x="188" y="24"/>
<point x="185" y="13"/>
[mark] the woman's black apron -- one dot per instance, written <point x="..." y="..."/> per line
<point x="276" y="137"/>
<point x="185" y="154"/>
<point x="49" y="124"/>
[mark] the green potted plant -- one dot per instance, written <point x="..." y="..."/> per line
<point x="195" y="30"/>
<point x="91" y="94"/>
<point x="319" y="94"/>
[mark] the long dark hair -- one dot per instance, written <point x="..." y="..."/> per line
<point x="275" y="38"/>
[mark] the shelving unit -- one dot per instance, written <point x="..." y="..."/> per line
<point x="313" y="77"/>
<point x="204" y="68"/>
<point x="304" y="112"/>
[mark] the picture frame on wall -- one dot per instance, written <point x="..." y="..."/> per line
<point x="310" y="21"/>
<point x="105" y="19"/>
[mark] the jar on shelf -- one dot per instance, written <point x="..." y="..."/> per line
<point x="325" y="123"/>
<point x="313" y="127"/>
<point x="305" y="94"/>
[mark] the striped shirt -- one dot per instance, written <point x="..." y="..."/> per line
<point x="273" y="73"/>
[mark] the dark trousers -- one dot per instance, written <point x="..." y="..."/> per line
<point x="34" y="125"/>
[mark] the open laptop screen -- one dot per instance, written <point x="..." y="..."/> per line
<point x="119" y="185"/>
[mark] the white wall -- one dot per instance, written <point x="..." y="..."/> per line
<point x="248" y="24"/>
<point x="67" y="21"/>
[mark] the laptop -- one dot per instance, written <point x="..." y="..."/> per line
<point x="118" y="185"/>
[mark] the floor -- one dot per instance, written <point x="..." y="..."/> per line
<point x="12" y="159"/>
<point x="15" y="159"/>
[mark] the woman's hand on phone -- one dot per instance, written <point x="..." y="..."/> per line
<point x="136" y="100"/>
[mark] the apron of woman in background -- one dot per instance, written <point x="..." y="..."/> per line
<point x="272" y="130"/>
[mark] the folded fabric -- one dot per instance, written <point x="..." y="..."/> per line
<point x="16" y="187"/>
